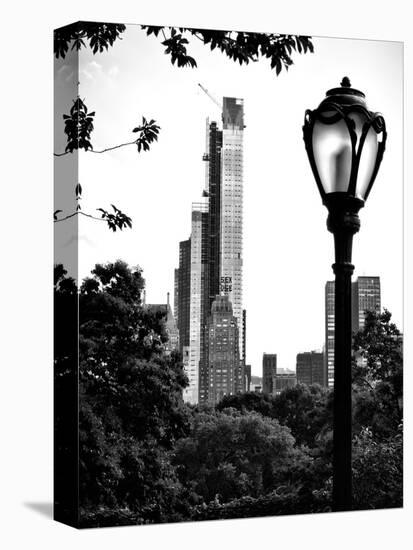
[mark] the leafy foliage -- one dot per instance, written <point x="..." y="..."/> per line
<point x="229" y="455"/>
<point x="277" y="503"/>
<point x="380" y="345"/>
<point x="241" y="47"/>
<point x="117" y="220"/>
<point x="148" y="133"/>
<point x="78" y="127"/>
<point x="65" y="391"/>
<point x="176" y="48"/>
<point x="131" y="409"/>
<point x="99" y="36"/>
<point x="306" y="410"/>
<point x="378" y="375"/>
<point x="261" y="403"/>
<point x="377" y="471"/>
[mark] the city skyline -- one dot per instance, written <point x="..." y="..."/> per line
<point x="287" y="250"/>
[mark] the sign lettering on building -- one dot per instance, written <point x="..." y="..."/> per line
<point x="226" y="284"/>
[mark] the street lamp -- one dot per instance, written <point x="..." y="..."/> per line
<point x="345" y="143"/>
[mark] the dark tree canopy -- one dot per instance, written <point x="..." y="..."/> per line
<point x="378" y="375"/>
<point x="99" y="36"/>
<point x="306" y="410"/>
<point x="130" y="404"/>
<point x="238" y="46"/>
<point x="229" y="455"/>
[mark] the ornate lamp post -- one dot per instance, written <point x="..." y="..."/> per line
<point x="345" y="143"/>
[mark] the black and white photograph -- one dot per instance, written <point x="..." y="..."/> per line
<point x="221" y="351"/>
<point x="206" y="275"/>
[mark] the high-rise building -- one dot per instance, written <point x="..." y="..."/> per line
<point x="283" y="379"/>
<point x="310" y="368"/>
<point x="244" y="336"/>
<point x="184" y="293"/>
<point x="213" y="189"/>
<point x="366" y="296"/>
<point x="225" y="376"/>
<point x="247" y="377"/>
<point x="199" y="277"/>
<point x="176" y="295"/>
<point x="231" y="206"/>
<point x="269" y="370"/>
<point x="215" y="251"/>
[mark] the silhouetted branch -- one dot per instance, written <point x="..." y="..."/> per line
<point x="115" y="147"/>
<point x="81" y="213"/>
<point x="117" y="220"/>
<point x="102" y="151"/>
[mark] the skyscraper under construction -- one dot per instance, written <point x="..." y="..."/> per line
<point x="214" y="264"/>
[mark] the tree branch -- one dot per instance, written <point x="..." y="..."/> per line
<point x="103" y="150"/>
<point x="83" y="214"/>
<point x="114" y="147"/>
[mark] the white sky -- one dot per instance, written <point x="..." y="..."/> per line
<point x="288" y="251"/>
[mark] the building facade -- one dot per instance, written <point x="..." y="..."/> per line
<point x="310" y="368"/>
<point x="269" y="370"/>
<point x="365" y="296"/>
<point x="183" y="297"/>
<point x="247" y="377"/>
<point x="232" y="206"/>
<point x="224" y="360"/>
<point x="283" y="379"/>
<point x="198" y="278"/>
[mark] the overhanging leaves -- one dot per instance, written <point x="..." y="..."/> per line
<point x="78" y="127"/>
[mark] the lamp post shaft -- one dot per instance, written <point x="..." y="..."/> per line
<point x="343" y="222"/>
<point x="342" y="479"/>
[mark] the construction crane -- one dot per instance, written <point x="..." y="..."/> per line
<point x="205" y="156"/>
<point x="217" y="103"/>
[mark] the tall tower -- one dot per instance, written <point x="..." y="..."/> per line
<point x="231" y="206"/>
<point x="269" y="370"/>
<point x="198" y="284"/>
<point x="213" y="174"/>
<point x="183" y="296"/>
<point x="366" y="296"/>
